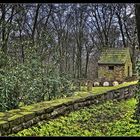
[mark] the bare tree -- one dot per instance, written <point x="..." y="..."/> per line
<point x="137" y="11"/>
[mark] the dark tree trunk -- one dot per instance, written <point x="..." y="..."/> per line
<point x="87" y="60"/>
<point x="137" y="13"/>
<point x="35" y="22"/>
<point x="121" y="29"/>
<point x="4" y="47"/>
<point x="73" y="62"/>
<point x="79" y="62"/>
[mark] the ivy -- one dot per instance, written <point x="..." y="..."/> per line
<point x="108" y="119"/>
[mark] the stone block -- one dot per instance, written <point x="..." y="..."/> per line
<point x="90" y="97"/>
<point x="49" y="110"/>
<point x="28" y="124"/>
<point x="80" y="100"/>
<point x="105" y="96"/>
<point x="36" y="119"/>
<point x="40" y="112"/>
<point x="96" y="101"/>
<point x="100" y="97"/>
<point x="68" y="103"/>
<point x="69" y="108"/>
<point x="5" y="126"/>
<point x="75" y="106"/>
<point x="44" y="116"/>
<point x="28" y="116"/>
<point x="17" y="128"/>
<point x="61" y="110"/>
<point x="53" y="114"/>
<point x="16" y="121"/>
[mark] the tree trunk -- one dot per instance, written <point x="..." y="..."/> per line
<point x="79" y="65"/>
<point x="35" y="23"/>
<point x="73" y="62"/>
<point x="4" y="47"/>
<point x="121" y="29"/>
<point x="137" y="11"/>
<point x="87" y="60"/>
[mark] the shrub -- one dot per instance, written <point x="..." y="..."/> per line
<point x="28" y="82"/>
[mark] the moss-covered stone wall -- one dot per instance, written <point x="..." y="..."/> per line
<point x="18" y="119"/>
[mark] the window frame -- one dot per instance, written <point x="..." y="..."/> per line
<point x="111" y="68"/>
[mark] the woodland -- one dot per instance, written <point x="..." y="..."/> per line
<point x="46" y="48"/>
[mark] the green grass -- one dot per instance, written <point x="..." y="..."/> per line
<point x="100" y="90"/>
<point x="97" y="90"/>
<point x="108" y="119"/>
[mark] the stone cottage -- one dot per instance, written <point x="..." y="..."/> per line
<point x="115" y="64"/>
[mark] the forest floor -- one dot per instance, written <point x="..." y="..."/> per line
<point x="107" y="119"/>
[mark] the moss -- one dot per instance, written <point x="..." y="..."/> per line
<point x="3" y="122"/>
<point x="30" y="110"/>
<point x="14" y="110"/>
<point x="1" y="114"/>
<point x="114" y="56"/>
<point x="29" y="107"/>
<point x="15" y="117"/>
<point x="4" y="125"/>
<point x="100" y="90"/>
<point x="45" y="104"/>
<point x="26" y="113"/>
<point x="11" y="113"/>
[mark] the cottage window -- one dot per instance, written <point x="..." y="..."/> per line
<point x="110" y="67"/>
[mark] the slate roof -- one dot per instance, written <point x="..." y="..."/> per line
<point x="114" y="56"/>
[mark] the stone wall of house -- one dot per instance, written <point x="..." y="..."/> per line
<point x="25" y="117"/>
<point x="128" y="63"/>
<point x="110" y="75"/>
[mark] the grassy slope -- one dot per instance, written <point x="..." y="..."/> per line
<point x="99" y="90"/>
<point x="108" y="119"/>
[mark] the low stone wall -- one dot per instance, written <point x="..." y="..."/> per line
<point x="18" y="119"/>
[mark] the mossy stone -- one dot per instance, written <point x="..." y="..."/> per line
<point x="16" y="119"/>
<point x="27" y="108"/>
<point x="28" y="115"/>
<point x="17" y="128"/>
<point x="4" y="125"/>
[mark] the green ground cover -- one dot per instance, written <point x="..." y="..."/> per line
<point x="100" y="90"/>
<point x="108" y="119"/>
